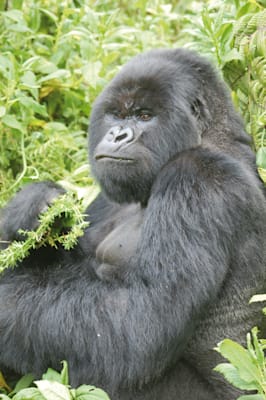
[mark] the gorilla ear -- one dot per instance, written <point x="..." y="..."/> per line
<point x="197" y="109"/>
<point x="201" y="113"/>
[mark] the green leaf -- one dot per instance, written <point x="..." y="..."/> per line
<point x="86" y="392"/>
<point x="231" y="56"/>
<point x="53" y="390"/>
<point x="23" y="383"/>
<point x="14" y="15"/>
<point x="60" y="73"/>
<point x="34" y="105"/>
<point x="241" y="359"/>
<point x="51" y="15"/>
<point x="231" y="374"/>
<point x="52" y="375"/>
<point x="64" y="373"/>
<point x="29" y="80"/>
<point x="29" y="394"/>
<point x="261" y="158"/>
<point x="91" y="73"/>
<point x="2" y="111"/>
<point x="207" y="21"/>
<point x="12" y="122"/>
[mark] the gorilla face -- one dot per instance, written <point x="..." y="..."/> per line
<point x="139" y="122"/>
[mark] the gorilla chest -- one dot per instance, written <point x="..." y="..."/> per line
<point x="115" y="249"/>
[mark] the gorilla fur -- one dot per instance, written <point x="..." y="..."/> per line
<point x="174" y="250"/>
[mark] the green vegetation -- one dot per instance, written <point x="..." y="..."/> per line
<point x="53" y="386"/>
<point x="247" y="367"/>
<point x="57" y="56"/>
<point x="235" y="36"/>
<point x="62" y="225"/>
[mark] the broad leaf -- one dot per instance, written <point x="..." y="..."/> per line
<point x="53" y="390"/>
<point x="231" y="374"/>
<point x="29" y="394"/>
<point x="241" y="359"/>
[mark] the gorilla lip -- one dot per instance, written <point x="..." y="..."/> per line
<point x="99" y="157"/>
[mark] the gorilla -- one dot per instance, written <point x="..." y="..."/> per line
<point x="174" y="250"/>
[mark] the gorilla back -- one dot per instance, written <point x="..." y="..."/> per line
<point x="174" y="250"/>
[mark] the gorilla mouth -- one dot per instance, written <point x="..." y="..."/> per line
<point x="100" y="157"/>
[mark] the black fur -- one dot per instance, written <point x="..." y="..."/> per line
<point x="173" y="253"/>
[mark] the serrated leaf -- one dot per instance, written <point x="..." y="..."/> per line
<point x="53" y="390"/>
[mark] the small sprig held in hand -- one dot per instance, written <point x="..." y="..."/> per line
<point x="61" y="224"/>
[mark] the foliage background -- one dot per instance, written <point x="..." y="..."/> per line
<point x="57" y="56"/>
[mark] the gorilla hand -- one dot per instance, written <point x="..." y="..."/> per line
<point x="24" y="210"/>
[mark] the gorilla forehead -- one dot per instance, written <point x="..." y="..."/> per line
<point x="142" y="83"/>
<point x="144" y="73"/>
<point x="157" y="73"/>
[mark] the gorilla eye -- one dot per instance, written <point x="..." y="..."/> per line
<point x="144" y="115"/>
<point x="118" y="115"/>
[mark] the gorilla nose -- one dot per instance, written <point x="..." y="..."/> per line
<point x="120" y="135"/>
<point x="113" y="142"/>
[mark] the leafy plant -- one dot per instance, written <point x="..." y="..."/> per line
<point x="53" y="386"/>
<point x="66" y="210"/>
<point x="247" y="367"/>
<point x="234" y="35"/>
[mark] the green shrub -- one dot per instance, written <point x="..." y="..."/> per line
<point x="53" y="386"/>
<point x="233" y="33"/>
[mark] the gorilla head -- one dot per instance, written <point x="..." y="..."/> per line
<point x="157" y="106"/>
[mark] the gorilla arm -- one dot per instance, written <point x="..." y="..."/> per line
<point x="132" y="331"/>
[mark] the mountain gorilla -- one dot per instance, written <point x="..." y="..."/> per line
<point x="174" y="250"/>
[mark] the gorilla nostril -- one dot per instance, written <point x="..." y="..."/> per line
<point x="121" y="137"/>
